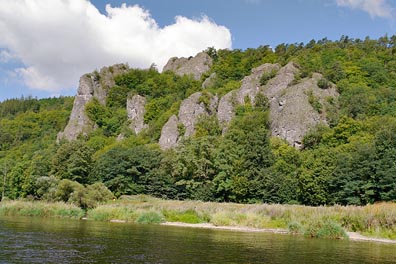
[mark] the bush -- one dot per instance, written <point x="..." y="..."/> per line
<point x="267" y="76"/>
<point x="323" y="83"/>
<point x="295" y="228"/>
<point x="150" y="218"/>
<point x="325" y="229"/>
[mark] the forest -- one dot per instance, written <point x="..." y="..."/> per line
<point x="350" y="162"/>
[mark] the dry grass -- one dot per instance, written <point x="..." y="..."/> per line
<point x="375" y="220"/>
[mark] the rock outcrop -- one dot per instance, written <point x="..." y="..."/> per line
<point x="210" y="81"/>
<point x="136" y="111"/>
<point x="249" y="88"/>
<point x="96" y="84"/>
<point x="195" y="66"/>
<point x="169" y="133"/>
<point x="191" y="109"/>
<point x="291" y="112"/>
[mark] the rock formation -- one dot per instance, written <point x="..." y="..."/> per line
<point x="292" y="115"/>
<point x="169" y="133"/>
<point x="91" y="85"/>
<point x="250" y="87"/>
<point x="295" y="106"/>
<point x="195" y="66"/>
<point x="191" y="109"/>
<point x="291" y="112"/>
<point x="136" y="111"/>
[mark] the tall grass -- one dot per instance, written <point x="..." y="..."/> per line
<point x="374" y="220"/>
<point x="42" y="209"/>
<point x="378" y="220"/>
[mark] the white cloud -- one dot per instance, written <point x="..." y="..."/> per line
<point x="5" y="56"/>
<point x="58" y="40"/>
<point x="375" y="8"/>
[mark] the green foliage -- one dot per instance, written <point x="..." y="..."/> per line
<point x="314" y="102"/>
<point x="207" y="126"/>
<point x="323" y="83"/>
<point x="261" y="102"/>
<point x="188" y="216"/>
<point x="205" y="100"/>
<point x="125" y="170"/>
<point x="350" y="162"/>
<point x="266" y="76"/>
<point x="73" y="161"/>
<point x="325" y="229"/>
<point x="150" y="218"/>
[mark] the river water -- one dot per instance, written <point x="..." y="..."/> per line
<point x="37" y="240"/>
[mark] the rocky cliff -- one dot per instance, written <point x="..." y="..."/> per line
<point x="194" y="66"/>
<point x="191" y="109"/>
<point x="95" y="84"/>
<point x="296" y="105"/>
<point x="295" y="108"/>
<point x="250" y="87"/>
<point x="136" y="110"/>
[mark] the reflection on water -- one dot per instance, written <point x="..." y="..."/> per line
<point x="36" y="240"/>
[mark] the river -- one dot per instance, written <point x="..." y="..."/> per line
<point x="38" y="240"/>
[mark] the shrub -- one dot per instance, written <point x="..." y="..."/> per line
<point x="267" y="76"/>
<point x="325" y="229"/>
<point x="295" y="228"/>
<point x="323" y="83"/>
<point x="150" y="218"/>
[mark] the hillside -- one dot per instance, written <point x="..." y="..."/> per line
<point x="305" y="123"/>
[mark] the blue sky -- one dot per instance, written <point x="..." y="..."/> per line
<point x="45" y="45"/>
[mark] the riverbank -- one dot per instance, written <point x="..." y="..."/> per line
<point x="354" y="236"/>
<point x="369" y="223"/>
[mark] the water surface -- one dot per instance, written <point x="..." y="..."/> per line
<point x="38" y="240"/>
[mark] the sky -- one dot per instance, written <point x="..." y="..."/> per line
<point x="46" y="45"/>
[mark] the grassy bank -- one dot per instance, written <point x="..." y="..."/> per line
<point x="378" y="220"/>
<point x="42" y="209"/>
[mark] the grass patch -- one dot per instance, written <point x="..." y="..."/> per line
<point x="150" y="218"/>
<point x="377" y="220"/>
<point x="325" y="229"/>
<point x="41" y="209"/>
<point x="188" y="216"/>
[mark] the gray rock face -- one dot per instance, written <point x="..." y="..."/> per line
<point x="194" y="66"/>
<point x="225" y="111"/>
<point x="209" y="82"/>
<point x="291" y="113"/>
<point x="250" y="87"/>
<point x="169" y="133"/>
<point x="136" y="111"/>
<point x="191" y="109"/>
<point x="79" y="122"/>
<point x="91" y="85"/>
<point x="251" y="84"/>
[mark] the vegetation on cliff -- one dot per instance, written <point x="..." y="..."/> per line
<point x="349" y="162"/>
